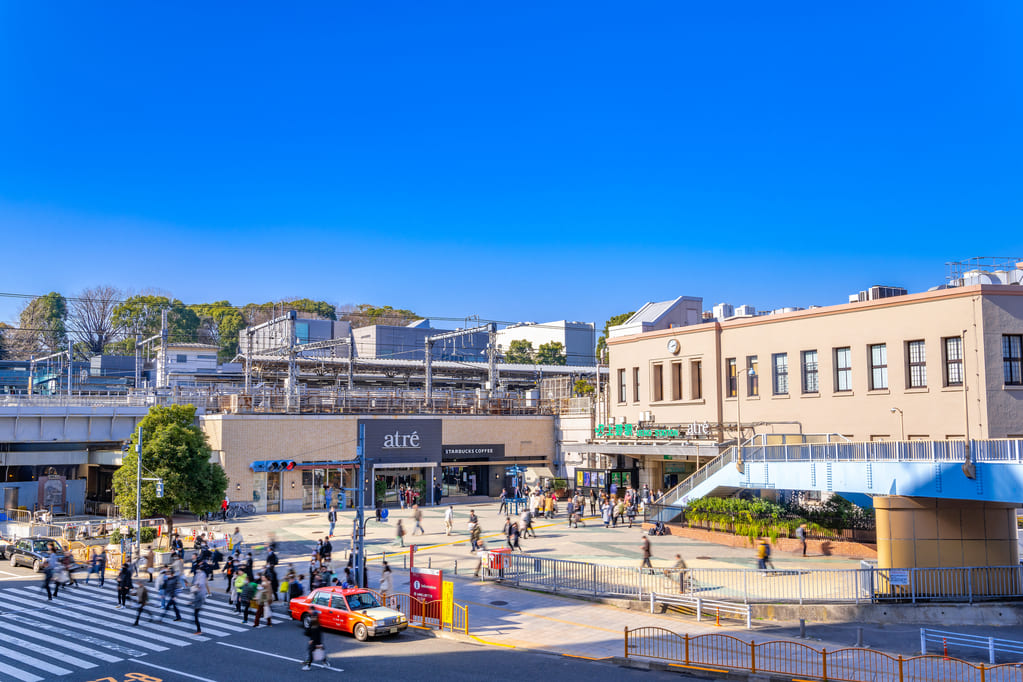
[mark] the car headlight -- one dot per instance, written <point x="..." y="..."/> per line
<point x="401" y="619"/>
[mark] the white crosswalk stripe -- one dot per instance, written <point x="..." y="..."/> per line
<point x="81" y="629"/>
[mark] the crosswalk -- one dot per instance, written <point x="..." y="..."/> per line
<point x="82" y="628"/>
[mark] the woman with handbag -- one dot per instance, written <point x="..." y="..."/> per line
<point x="315" y="650"/>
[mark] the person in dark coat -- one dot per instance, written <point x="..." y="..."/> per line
<point x="123" y="585"/>
<point x="314" y="637"/>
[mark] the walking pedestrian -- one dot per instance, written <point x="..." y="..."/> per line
<point x="513" y="537"/>
<point x="93" y="564"/>
<point x="801" y="535"/>
<point x="50" y="568"/>
<point x="606" y="513"/>
<point x="245" y="598"/>
<point x="386" y="583"/>
<point x="417" y="516"/>
<point x="475" y="536"/>
<point x="503" y="509"/>
<point x="264" y="594"/>
<point x="331" y="519"/>
<point x="314" y="640"/>
<point x="236" y="540"/>
<point x="646" y="553"/>
<point x="142" y="597"/>
<point x="593" y="503"/>
<point x="482" y="556"/>
<point x="631" y="513"/>
<point x="199" y="585"/>
<point x="449" y="518"/>
<point x="123" y="585"/>
<point x="399" y="532"/>
<point x="170" y="595"/>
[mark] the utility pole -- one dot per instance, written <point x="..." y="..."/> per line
<point x="968" y="469"/>
<point x="138" y="495"/>
<point x="138" y="359"/>
<point x="360" y="510"/>
<point x="163" y="383"/>
<point x="70" y="363"/>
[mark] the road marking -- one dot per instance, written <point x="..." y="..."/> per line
<point x="47" y="651"/>
<point x="696" y="667"/>
<point x="20" y="674"/>
<point x="65" y="641"/>
<point x="536" y="615"/>
<point x="286" y="658"/>
<point x="171" y="670"/>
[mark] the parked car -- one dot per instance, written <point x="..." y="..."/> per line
<point x="348" y="609"/>
<point x="32" y="552"/>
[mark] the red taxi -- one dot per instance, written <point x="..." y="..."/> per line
<point x="350" y="609"/>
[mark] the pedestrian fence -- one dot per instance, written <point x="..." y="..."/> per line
<point x="993" y="645"/>
<point x="430" y="614"/>
<point x="560" y="575"/>
<point x="725" y="653"/>
<point x="703" y="608"/>
<point x="858" y="585"/>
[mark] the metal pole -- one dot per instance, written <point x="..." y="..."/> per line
<point x="70" y="358"/>
<point x="360" y="545"/>
<point x="138" y="495"/>
<point x="968" y="469"/>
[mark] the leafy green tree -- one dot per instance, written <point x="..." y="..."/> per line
<point x="175" y="450"/>
<point x="552" y="353"/>
<point x="141" y="314"/>
<point x="602" y="341"/>
<point x="219" y="323"/>
<point x="365" y="315"/>
<point x="44" y="324"/>
<point x="256" y="313"/>
<point x="520" y="352"/>
<point x="583" y="388"/>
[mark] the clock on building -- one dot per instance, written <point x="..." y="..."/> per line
<point x="674" y="347"/>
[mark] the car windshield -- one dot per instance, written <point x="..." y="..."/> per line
<point x="362" y="600"/>
<point x="40" y="547"/>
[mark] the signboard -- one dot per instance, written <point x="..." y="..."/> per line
<point x="472" y="453"/>
<point x="447" y="611"/>
<point x="693" y="430"/>
<point x="424" y="585"/>
<point x="898" y="577"/>
<point x="52" y="491"/>
<point x="402" y="440"/>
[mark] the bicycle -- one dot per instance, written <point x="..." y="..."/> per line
<point x="238" y="508"/>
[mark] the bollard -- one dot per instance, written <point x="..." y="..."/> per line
<point x="429" y="562"/>
<point x="717" y="619"/>
<point x="859" y="637"/>
<point x="802" y="628"/>
<point x="944" y="647"/>
<point x="456" y="567"/>
<point x="404" y="559"/>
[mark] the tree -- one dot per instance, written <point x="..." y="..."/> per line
<point x="257" y="313"/>
<point x="4" y="332"/>
<point x="582" y="388"/>
<point x="552" y="353"/>
<point x="520" y="352"/>
<point x="141" y="314"/>
<point x="602" y="341"/>
<point x="92" y="317"/>
<point x="219" y="324"/>
<point x="43" y="322"/>
<point x="173" y="449"/>
<point x="365" y="315"/>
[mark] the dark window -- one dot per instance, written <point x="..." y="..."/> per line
<point x="953" y="361"/>
<point x="676" y="381"/>
<point x="810" y="377"/>
<point x="635" y="384"/>
<point x="843" y="369"/>
<point x="622" y="397"/>
<point x="696" y="379"/>
<point x="780" y="361"/>
<point x="658" y="382"/>
<point x="752" y="376"/>
<point x="182" y="359"/>
<point x="321" y="599"/>
<point x="916" y="353"/>
<point x="1012" y="359"/>
<point x="733" y="383"/>
<point x="878" y="367"/>
<point x="338" y="602"/>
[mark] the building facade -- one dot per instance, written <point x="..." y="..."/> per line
<point x="886" y="369"/>
<point x="578" y="338"/>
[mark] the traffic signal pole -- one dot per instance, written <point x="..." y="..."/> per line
<point x="359" y="544"/>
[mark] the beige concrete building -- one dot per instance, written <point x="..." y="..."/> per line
<point x="886" y="369"/>
<point x="463" y="455"/>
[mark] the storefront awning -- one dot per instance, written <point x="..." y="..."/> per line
<point x="334" y="464"/>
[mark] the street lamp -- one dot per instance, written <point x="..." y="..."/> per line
<point x="739" y="463"/>
<point x="902" y="421"/>
<point x="968" y="470"/>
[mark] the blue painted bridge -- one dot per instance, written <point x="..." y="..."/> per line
<point x="911" y="468"/>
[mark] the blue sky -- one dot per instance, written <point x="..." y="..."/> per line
<point x="533" y="161"/>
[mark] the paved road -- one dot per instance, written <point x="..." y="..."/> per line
<point x="81" y="636"/>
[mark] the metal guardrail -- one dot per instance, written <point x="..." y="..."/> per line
<point x="559" y="575"/>
<point x="701" y="607"/>
<point x="993" y="645"/>
<point x="997" y="450"/>
<point x="430" y="613"/>
<point x="804" y="661"/>
<point x="858" y="585"/>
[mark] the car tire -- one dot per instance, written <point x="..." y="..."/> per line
<point x="37" y="565"/>
<point x="360" y="632"/>
<point x="14" y="560"/>
<point x="305" y="619"/>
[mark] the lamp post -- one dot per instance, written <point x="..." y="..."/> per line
<point x="902" y="421"/>
<point x="739" y="463"/>
<point x="968" y="469"/>
<point x="138" y="495"/>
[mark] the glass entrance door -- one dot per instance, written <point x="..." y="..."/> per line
<point x="273" y="491"/>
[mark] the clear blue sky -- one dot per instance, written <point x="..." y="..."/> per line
<point x="523" y="161"/>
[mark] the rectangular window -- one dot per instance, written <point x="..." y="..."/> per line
<point x="622" y="397"/>
<point x="658" y="382"/>
<point x="752" y="376"/>
<point x="916" y="357"/>
<point x="1012" y="359"/>
<point x="953" y="360"/>
<point x="696" y="379"/>
<point x="182" y="359"/>
<point x="878" y="367"/>
<point x="676" y="381"/>
<point x="780" y="361"/>
<point x="843" y="369"/>
<point x="811" y="383"/>
<point x="731" y="378"/>
<point x="635" y="384"/>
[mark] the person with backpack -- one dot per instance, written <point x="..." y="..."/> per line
<point x="142" y="597"/>
<point x="245" y="597"/>
<point x="170" y="594"/>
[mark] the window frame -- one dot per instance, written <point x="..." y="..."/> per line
<point x="878" y="371"/>
<point x="635" y="384"/>
<point x="780" y="379"/>
<point x="1012" y="360"/>
<point x="676" y="380"/>
<point x="948" y="362"/>
<point x="843" y="371"/>
<point x="752" y="377"/>
<point x="696" y="379"/>
<point x="919" y="365"/>
<point x="657" y="382"/>
<point x="810" y="372"/>
<point x="731" y="378"/>
<point x="623" y="387"/>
